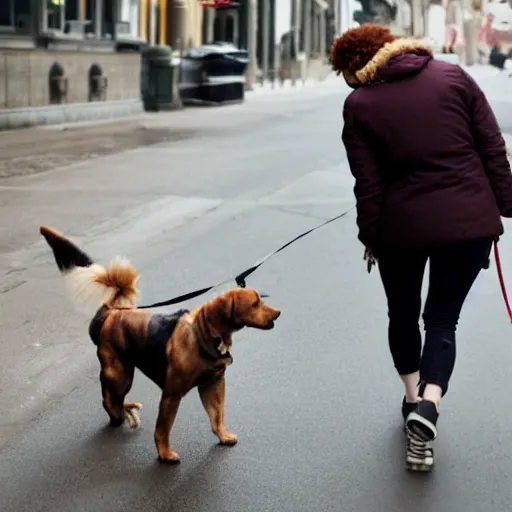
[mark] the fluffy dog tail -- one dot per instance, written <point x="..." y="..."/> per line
<point x="91" y="285"/>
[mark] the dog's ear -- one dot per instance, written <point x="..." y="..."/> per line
<point x="237" y="304"/>
<point x="227" y="307"/>
<point x="221" y="312"/>
<point x="230" y="306"/>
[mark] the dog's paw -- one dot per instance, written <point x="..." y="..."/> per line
<point x="228" y="439"/>
<point x="131" y="415"/>
<point x="169" y="457"/>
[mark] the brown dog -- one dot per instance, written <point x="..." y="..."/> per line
<point x="176" y="351"/>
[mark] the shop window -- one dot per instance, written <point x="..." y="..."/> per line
<point x="15" y="16"/>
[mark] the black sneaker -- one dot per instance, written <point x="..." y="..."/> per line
<point x="421" y="431"/>
<point x="407" y="408"/>
<point x="423" y="420"/>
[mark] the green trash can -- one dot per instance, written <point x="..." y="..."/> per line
<point x="157" y="79"/>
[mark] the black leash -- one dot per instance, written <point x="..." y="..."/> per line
<point x="240" y="278"/>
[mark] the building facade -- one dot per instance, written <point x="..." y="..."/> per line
<point x="62" y="52"/>
<point x="56" y="53"/>
<point x="314" y="24"/>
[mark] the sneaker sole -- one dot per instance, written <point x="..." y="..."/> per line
<point x="422" y="464"/>
<point x="417" y="422"/>
<point x="419" y="467"/>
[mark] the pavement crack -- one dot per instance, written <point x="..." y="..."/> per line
<point x="14" y="270"/>
<point x="298" y="212"/>
<point x="11" y="287"/>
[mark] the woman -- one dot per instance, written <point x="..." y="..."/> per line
<point x="431" y="181"/>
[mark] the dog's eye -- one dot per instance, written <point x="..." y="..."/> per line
<point x="255" y="304"/>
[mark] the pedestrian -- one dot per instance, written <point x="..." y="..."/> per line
<point x="431" y="181"/>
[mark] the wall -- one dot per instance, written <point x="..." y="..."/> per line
<point x="24" y="76"/>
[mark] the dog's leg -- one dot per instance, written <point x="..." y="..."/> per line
<point x="169" y="405"/>
<point x="116" y="381"/>
<point x="213" y="397"/>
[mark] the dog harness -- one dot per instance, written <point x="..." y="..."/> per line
<point x="153" y="359"/>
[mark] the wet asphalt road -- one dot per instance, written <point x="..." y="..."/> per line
<point x="315" y="402"/>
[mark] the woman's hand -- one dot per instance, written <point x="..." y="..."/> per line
<point x="370" y="259"/>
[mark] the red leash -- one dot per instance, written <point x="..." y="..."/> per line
<point x="502" y="282"/>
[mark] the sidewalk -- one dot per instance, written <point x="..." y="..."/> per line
<point x="30" y="151"/>
<point x="268" y="87"/>
<point x="496" y="84"/>
<point x="38" y="149"/>
<point x="508" y="142"/>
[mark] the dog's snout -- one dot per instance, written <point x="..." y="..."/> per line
<point x="276" y="313"/>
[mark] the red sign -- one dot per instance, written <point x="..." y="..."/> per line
<point x="215" y="3"/>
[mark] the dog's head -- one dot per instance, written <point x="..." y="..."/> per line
<point x="239" y="308"/>
<point x="244" y="308"/>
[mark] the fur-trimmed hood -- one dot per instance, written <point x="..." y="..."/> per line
<point x="416" y="56"/>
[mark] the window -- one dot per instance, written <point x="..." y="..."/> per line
<point x="15" y="16"/>
<point x="91" y="18"/>
<point x="75" y="18"/>
<point x="55" y="10"/>
<point x="6" y="14"/>
<point x="129" y="17"/>
<point x="72" y="9"/>
<point x="81" y="19"/>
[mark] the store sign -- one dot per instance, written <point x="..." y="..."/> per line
<point x="215" y="3"/>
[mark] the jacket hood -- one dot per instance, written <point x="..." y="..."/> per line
<point x="396" y="60"/>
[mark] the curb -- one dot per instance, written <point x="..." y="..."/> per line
<point x="11" y="119"/>
<point x="114" y="110"/>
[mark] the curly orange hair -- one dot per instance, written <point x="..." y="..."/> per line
<point x="354" y="49"/>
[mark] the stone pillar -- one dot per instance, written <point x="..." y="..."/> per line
<point x="337" y="18"/>
<point x="98" y="21"/>
<point x="472" y="24"/>
<point x="211" y="23"/>
<point x="296" y="25"/>
<point x="252" y="27"/>
<point x="418" y="25"/>
<point x="307" y="29"/>
<point x="272" y="36"/>
<point x="208" y="21"/>
<point x="322" y="16"/>
<point x="265" y="36"/>
<point x="152" y="22"/>
<point x="313" y="23"/>
<point x="177" y="24"/>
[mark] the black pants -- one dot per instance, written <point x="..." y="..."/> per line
<point x="453" y="270"/>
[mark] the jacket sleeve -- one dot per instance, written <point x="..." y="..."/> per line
<point x="491" y="148"/>
<point x="369" y="187"/>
